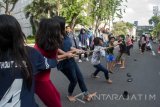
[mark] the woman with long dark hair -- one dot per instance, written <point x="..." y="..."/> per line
<point x="18" y="65"/>
<point x="48" y="40"/>
<point x="70" y="68"/>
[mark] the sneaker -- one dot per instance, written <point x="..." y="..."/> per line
<point x="87" y="59"/>
<point x="79" y="60"/>
<point x="92" y="76"/>
<point x="109" y="81"/>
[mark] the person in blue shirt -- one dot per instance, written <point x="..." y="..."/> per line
<point x="18" y="65"/>
<point x="70" y="68"/>
<point x="72" y="36"/>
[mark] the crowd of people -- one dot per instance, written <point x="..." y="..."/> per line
<point x="145" y="44"/>
<point x="25" y="70"/>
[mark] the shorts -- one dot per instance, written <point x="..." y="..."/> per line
<point x="124" y="55"/>
<point x="110" y="58"/>
<point x="121" y="56"/>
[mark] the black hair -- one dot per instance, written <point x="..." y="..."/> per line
<point x="145" y="38"/>
<point x="12" y="41"/>
<point x="48" y="36"/>
<point x="67" y="26"/>
<point x="81" y="31"/>
<point x="112" y="37"/>
<point x="128" y="35"/>
<point x="62" y="22"/>
<point x="97" y="41"/>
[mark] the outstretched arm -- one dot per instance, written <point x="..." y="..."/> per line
<point x="63" y="55"/>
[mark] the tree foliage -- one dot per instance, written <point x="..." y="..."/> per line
<point x="154" y="20"/>
<point x="156" y="30"/>
<point x="106" y="11"/>
<point x="120" y="28"/>
<point x="84" y="12"/>
<point x="74" y="11"/>
<point x="39" y="9"/>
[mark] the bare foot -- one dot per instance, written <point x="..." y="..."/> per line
<point x="119" y="63"/>
<point x="122" y="67"/>
<point x="114" y="65"/>
<point x="109" y="81"/>
<point x="90" y="96"/>
<point x="71" y="98"/>
<point x="111" y="72"/>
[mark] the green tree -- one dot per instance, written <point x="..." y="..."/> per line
<point x="156" y="30"/>
<point x="73" y="11"/>
<point x="129" y="26"/>
<point x="115" y="9"/>
<point x="122" y="28"/>
<point x="106" y="11"/>
<point x="85" y="21"/>
<point x="39" y="9"/>
<point x="8" y="5"/>
<point x="154" y="20"/>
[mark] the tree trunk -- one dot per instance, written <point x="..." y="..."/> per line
<point x="33" y="25"/>
<point x="7" y="8"/>
<point x="49" y="14"/>
<point x="106" y="23"/>
<point x="109" y="24"/>
<point x="96" y="27"/>
<point x="73" y="22"/>
<point x="58" y="8"/>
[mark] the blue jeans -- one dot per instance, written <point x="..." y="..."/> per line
<point x="74" y="75"/>
<point x="99" y="68"/>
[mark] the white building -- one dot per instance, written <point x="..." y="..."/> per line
<point x="133" y="31"/>
<point x="18" y="13"/>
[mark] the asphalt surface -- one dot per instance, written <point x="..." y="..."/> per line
<point x="144" y="88"/>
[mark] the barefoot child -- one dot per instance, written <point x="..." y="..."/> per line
<point x="122" y="52"/>
<point x="97" y="53"/>
<point x="110" y="58"/>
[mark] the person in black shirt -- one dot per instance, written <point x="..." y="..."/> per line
<point x="18" y="65"/>
<point x="122" y="52"/>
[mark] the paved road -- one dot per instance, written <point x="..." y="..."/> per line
<point x="144" y="90"/>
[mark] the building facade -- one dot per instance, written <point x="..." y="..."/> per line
<point x="19" y="14"/>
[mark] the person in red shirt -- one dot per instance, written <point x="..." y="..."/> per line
<point x="48" y="40"/>
<point x="129" y="44"/>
